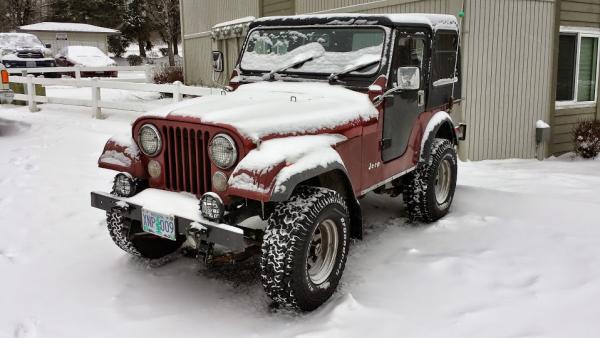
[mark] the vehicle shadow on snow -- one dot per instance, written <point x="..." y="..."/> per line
<point x="10" y="128"/>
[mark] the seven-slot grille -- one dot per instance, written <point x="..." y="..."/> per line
<point x="187" y="166"/>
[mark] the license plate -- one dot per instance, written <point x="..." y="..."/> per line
<point x="159" y="224"/>
<point x="30" y="64"/>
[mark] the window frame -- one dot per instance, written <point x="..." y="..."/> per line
<point x="580" y="32"/>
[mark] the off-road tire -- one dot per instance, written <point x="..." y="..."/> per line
<point x="287" y="241"/>
<point x="419" y="186"/>
<point x="128" y="235"/>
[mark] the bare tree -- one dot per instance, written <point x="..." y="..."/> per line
<point x="165" y="16"/>
<point x="19" y="12"/>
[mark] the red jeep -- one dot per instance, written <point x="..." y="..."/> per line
<point x="320" y="111"/>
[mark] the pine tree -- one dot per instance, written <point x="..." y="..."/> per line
<point x="165" y="15"/>
<point x="137" y="25"/>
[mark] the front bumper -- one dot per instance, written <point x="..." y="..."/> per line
<point x="6" y="96"/>
<point x="226" y="235"/>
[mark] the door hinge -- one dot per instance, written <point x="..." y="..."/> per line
<point x="385" y="143"/>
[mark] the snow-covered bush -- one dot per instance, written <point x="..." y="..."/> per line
<point x="135" y="60"/>
<point x="168" y="74"/>
<point x="586" y="136"/>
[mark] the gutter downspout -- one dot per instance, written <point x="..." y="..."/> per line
<point x="547" y="151"/>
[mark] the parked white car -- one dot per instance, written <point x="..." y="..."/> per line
<point x="6" y="95"/>
<point x="86" y="56"/>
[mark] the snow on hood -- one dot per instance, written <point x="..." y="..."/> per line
<point x="16" y="41"/>
<point x="276" y="108"/>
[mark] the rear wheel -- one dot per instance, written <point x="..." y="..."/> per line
<point x="429" y="189"/>
<point x="127" y="234"/>
<point x="305" y="247"/>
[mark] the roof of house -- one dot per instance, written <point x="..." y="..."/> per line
<point x="67" y="27"/>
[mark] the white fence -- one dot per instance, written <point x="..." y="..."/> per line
<point x="77" y="70"/>
<point x="176" y="89"/>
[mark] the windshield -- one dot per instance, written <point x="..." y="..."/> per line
<point x="19" y="41"/>
<point x="333" y="49"/>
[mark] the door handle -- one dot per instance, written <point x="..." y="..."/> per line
<point x="421" y="98"/>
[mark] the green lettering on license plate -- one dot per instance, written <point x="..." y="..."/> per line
<point x="159" y="224"/>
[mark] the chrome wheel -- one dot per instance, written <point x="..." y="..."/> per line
<point x="322" y="251"/>
<point x="443" y="181"/>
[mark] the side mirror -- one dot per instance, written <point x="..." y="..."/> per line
<point x="409" y="78"/>
<point x="218" y="65"/>
<point x="48" y="46"/>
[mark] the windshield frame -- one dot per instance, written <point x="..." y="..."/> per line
<point x="384" y="59"/>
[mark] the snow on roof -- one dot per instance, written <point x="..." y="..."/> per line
<point x="235" y="22"/>
<point x="67" y="27"/>
<point x="435" y="21"/>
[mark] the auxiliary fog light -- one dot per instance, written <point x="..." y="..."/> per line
<point x="124" y="185"/>
<point x="154" y="169"/>
<point x="211" y="206"/>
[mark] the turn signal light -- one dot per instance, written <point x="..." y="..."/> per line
<point x="4" y="75"/>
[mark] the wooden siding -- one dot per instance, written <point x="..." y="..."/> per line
<point x="580" y="13"/>
<point x="277" y="7"/>
<point x="372" y="6"/>
<point x="507" y="73"/>
<point x="198" y="17"/>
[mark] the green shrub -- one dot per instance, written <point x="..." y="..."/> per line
<point x="586" y="137"/>
<point x="135" y="60"/>
<point x="168" y="74"/>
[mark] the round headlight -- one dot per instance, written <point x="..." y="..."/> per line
<point x="124" y="185"/>
<point x="211" y="206"/>
<point x="149" y="140"/>
<point x="222" y="151"/>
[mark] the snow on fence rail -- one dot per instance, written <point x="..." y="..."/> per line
<point x="77" y="70"/>
<point x="177" y="89"/>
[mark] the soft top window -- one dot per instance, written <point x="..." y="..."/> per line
<point x="444" y="60"/>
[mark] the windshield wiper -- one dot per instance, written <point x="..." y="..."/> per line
<point x="333" y="77"/>
<point x="296" y="63"/>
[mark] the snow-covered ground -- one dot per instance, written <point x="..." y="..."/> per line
<point x="517" y="257"/>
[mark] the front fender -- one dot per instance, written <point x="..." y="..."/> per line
<point x="272" y="171"/>
<point x="122" y="154"/>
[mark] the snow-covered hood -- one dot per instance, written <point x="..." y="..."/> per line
<point x="277" y="108"/>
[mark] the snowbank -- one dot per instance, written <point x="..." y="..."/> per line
<point x="517" y="256"/>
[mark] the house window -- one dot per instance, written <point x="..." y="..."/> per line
<point x="577" y="73"/>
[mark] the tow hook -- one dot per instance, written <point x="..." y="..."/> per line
<point x="203" y="249"/>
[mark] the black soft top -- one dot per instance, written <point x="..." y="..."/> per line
<point x="433" y="21"/>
